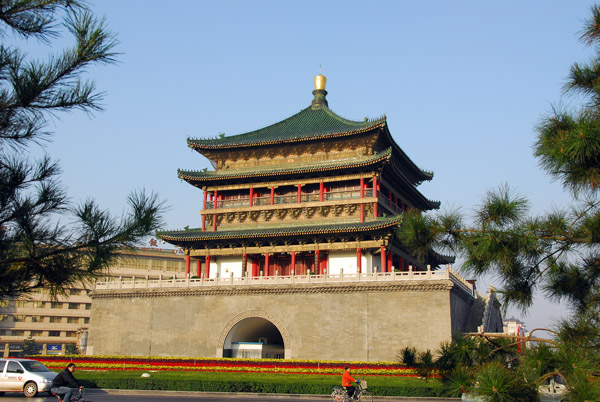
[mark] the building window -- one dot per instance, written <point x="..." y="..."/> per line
<point x="21" y="303"/>
<point x="55" y="319"/>
<point x="134" y="262"/>
<point x="73" y="320"/>
<point x="71" y="334"/>
<point x="38" y="304"/>
<point x="86" y="320"/>
<point x="3" y="317"/>
<point x="36" y="318"/>
<point x="172" y="265"/>
<point x="74" y="292"/>
<point x="53" y="333"/>
<point x="3" y="332"/>
<point x="88" y="306"/>
<point x="36" y="333"/>
<point x="157" y="265"/>
<point x="3" y="303"/>
<point x="73" y="306"/>
<point x="18" y="332"/>
<point x="56" y="305"/>
<point x="19" y="318"/>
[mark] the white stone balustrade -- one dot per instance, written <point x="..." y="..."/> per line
<point x="410" y="275"/>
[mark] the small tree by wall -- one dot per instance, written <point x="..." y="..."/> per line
<point x="71" y="349"/>
<point x="30" y="347"/>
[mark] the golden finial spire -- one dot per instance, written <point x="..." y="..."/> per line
<point x="320" y="81"/>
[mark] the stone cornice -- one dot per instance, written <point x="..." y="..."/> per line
<point x="355" y="287"/>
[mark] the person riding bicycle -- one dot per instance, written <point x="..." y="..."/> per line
<point x="347" y="381"/>
<point x="65" y="383"/>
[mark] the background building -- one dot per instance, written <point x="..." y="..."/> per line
<point x="56" y="324"/>
<point x="513" y="326"/>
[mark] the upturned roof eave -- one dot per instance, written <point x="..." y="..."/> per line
<point x="414" y="194"/>
<point x="197" y="178"/>
<point x="420" y="174"/>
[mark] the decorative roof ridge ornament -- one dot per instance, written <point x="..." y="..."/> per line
<point x="319" y="93"/>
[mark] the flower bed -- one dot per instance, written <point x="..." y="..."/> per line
<point x="226" y="365"/>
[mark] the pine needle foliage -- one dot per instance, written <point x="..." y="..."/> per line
<point x="45" y="240"/>
<point x="557" y="252"/>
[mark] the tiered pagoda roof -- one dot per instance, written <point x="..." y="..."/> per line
<point x="376" y="151"/>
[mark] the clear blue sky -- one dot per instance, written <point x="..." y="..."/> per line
<point x="462" y="83"/>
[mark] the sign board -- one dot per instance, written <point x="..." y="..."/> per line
<point x="53" y="347"/>
<point x="15" y="346"/>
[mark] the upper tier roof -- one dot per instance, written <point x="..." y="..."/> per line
<point x="314" y="122"/>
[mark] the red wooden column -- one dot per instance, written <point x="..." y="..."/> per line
<point x="204" y="209"/>
<point x="255" y="268"/>
<point x="188" y="260"/>
<point x="207" y="268"/>
<point x="383" y="259"/>
<point x="321" y="188"/>
<point x="272" y="195"/>
<point x="199" y="269"/>
<point x="323" y="263"/>
<point x="318" y="262"/>
<point x="250" y="197"/>
<point x="359" y="260"/>
<point x="375" y="194"/>
<point x="362" y="195"/>
<point x="215" y="202"/>
<point x="396" y="203"/>
<point x="390" y="261"/>
<point x="244" y="264"/>
<point x="293" y="263"/>
<point x="266" y="271"/>
<point x="299" y="193"/>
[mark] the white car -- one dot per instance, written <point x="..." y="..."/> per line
<point x="553" y="390"/>
<point x="25" y="375"/>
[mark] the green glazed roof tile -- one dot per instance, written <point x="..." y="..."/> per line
<point x="310" y="123"/>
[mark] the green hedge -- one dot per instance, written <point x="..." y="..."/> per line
<point x="256" y="383"/>
<point x="206" y="386"/>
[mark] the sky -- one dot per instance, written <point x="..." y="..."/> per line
<point x="462" y="83"/>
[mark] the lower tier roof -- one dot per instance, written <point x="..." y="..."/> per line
<point x="183" y="238"/>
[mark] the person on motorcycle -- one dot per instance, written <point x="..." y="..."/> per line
<point x="65" y="383"/>
<point x="347" y="381"/>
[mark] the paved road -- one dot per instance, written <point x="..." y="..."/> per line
<point x="164" y="396"/>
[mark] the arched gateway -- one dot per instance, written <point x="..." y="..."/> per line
<point x="254" y="334"/>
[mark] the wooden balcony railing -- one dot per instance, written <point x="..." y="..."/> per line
<point x="290" y="199"/>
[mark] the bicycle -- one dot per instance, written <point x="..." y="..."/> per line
<point x="74" y="398"/>
<point x="361" y="394"/>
